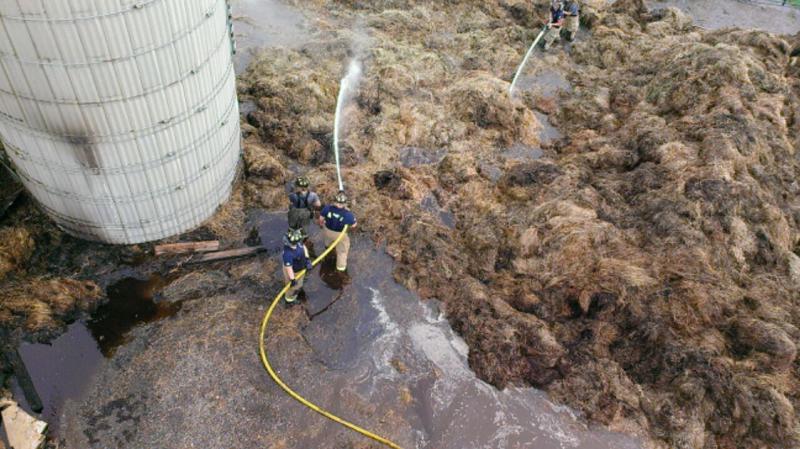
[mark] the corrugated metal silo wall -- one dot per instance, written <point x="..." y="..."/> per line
<point x="120" y="117"/>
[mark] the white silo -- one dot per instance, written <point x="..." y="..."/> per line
<point x="120" y="116"/>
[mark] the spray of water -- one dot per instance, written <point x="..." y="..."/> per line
<point x="525" y="61"/>
<point x="346" y="89"/>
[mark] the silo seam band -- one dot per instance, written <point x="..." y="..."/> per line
<point x="206" y="17"/>
<point x="103" y="101"/>
<point x="160" y="126"/>
<point x="135" y="168"/>
<point x="220" y="187"/>
<point x="137" y="6"/>
<point x="130" y="199"/>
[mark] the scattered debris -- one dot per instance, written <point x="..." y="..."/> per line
<point x="23" y="431"/>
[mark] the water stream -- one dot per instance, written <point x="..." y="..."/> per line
<point x="347" y="88"/>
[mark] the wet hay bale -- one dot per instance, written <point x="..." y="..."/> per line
<point x="482" y="101"/>
<point x="751" y="334"/>
<point x="41" y="306"/>
<point x="531" y="173"/>
<point x="262" y="163"/>
<point x="295" y="102"/>
<point x="492" y="353"/>
<point x="16" y="246"/>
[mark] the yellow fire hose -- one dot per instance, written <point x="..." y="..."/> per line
<point x="282" y="384"/>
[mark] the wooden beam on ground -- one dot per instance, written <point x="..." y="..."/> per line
<point x="23" y="379"/>
<point x="228" y="254"/>
<point x="187" y="247"/>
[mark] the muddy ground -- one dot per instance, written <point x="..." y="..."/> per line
<point x="623" y="233"/>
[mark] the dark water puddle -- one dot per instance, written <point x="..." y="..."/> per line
<point x="270" y="228"/>
<point x="415" y="156"/>
<point x="131" y="303"/>
<point x="547" y="82"/>
<point x="549" y="132"/>
<point x="431" y="205"/>
<point x="60" y="371"/>
<point x="63" y="369"/>
<point x="519" y="152"/>
<point x="491" y="172"/>
<point x="246" y="107"/>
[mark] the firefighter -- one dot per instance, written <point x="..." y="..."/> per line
<point x="333" y="218"/>
<point x="572" y="19"/>
<point x="554" y="26"/>
<point x="295" y="259"/>
<point x="303" y="205"/>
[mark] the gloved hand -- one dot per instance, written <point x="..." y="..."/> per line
<point x="309" y="265"/>
<point x="293" y="282"/>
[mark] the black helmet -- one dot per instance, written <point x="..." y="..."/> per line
<point x="294" y="235"/>
<point x="302" y="181"/>
<point x="341" y="198"/>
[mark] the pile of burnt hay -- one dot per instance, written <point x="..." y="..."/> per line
<point x="41" y="306"/>
<point x="32" y="305"/>
<point x="295" y="102"/>
<point x="660" y="251"/>
<point x="646" y="270"/>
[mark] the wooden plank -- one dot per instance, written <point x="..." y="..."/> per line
<point x="228" y="254"/>
<point x="24" y="379"/>
<point x="187" y="247"/>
